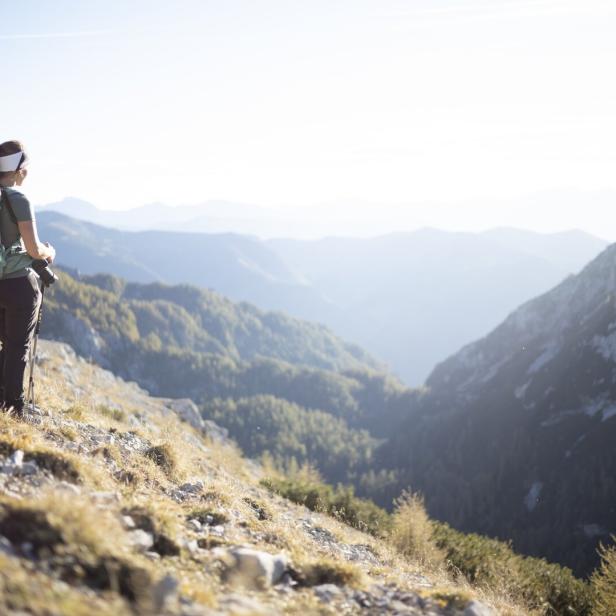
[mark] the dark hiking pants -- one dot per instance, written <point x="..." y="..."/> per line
<point x="20" y="299"/>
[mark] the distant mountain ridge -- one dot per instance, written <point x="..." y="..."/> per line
<point x="209" y="217"/>
<point x="100" y="313"/>
<point x="411" y="299"/>
<point x="241" y="267"/>
<point x="524" y="421"/>
<point x="427" y="293"/>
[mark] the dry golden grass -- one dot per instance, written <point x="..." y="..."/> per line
<point x="330" y="571"/>
<point x="63" y="465"/>
<point x="604" y="582"/>
<point x="28" y="591"/>
<point x="251" y="514"/>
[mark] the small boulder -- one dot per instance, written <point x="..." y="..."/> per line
<point x="193" y="487"/>
<point x="187" y="411"/>
<point x="476" y="608"/>
<point x="194" y="525"/>
<point x="327" y="592"/>
<point x="17" y="458"/>
<point x="215" y="432"/>
<point x="254" y="569"/>
<point x="141" y="540"/>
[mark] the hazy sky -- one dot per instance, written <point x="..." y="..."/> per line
<point x="458" y="114"/>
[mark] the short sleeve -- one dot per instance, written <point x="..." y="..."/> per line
<point x="21" y="206"/>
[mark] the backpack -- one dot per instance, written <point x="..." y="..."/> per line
<point x="14" y="257"/>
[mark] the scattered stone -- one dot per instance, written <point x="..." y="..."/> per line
<point x="188" y="490"/>
<point x="28" y="468"/>
<point x="476" y="608"/>
<point x="128" y="522"/>
<point x="6" y="547"/>
<point x="195" y="525"/>
<point x="17" y="458"/>
<point x="140" y="540"/>
<point x="152" y="555"/>
<point x="193" y="488"/>
<point x="327" y="592"/>
<point x="192" y="546"/>
<point x="253" y="569"/>
<point x="15" y="465"/>
<point x="187" y="411"/>
<point x="164" y="594"/>
<point x="259" y="510"/>
<point x="215" y="432"/>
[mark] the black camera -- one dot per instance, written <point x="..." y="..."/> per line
<point x="41" y="267"/>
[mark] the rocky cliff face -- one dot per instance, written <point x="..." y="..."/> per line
<point x="515" y="435"/>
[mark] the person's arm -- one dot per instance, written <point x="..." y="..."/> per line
<point x="36" y="249"/>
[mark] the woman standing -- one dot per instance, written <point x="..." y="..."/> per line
<point x="20" y="295"/>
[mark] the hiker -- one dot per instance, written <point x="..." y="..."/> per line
<point x="20" y="294"/>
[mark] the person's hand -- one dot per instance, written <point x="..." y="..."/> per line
<point x="52" y="252"/>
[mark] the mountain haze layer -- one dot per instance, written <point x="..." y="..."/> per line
<point x="238" y="266"/>
<point x="414" y="298"/>
<point x="411" y="299"/>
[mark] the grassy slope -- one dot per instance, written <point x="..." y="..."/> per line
<point x="94" y="448"/>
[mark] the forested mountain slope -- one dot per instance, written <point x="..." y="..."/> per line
<point x="194" y="320"/>
<point x="524" y="424"/>
<point x="183" y="341"/>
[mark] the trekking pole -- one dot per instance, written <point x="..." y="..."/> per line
<point x="33" y="346"/>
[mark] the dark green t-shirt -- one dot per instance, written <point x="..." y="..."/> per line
<point x="9" y="232"/>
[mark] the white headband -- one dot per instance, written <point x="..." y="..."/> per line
<point x="10" y="162"/>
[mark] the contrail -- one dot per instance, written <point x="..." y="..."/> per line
<point x="45" y="35"/>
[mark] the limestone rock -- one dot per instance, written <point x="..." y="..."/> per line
<point x="476" y="608"/>
<point x="215" y="432"/>
<point x="141" y="540"/>
<point x="327" y="592"/>
<point x="254" y="569"/>
<point x="187" y="411"/>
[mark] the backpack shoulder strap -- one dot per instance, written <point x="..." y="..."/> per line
<point x="9" y="207"/>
